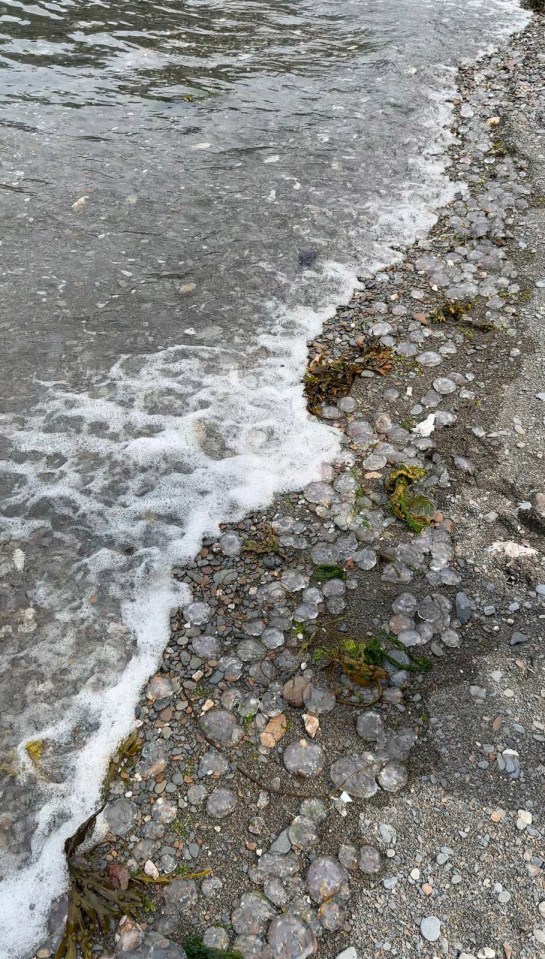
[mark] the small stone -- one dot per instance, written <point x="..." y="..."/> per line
<point x="428" y="358"/>
<point x="291" y="938"/>
<point x="252" y="915"/>
<point x="212" y="763"/>
<point x="197" y="613"/>
<point x="326" y="878"/>
<point x="392" y="777"/>
<point x="215" y="938"/>
<point x="274" y="731"/>
<point x="430" y="927"/>
<point x="303" y="833"/>
<point x="294" y="689"/>
<point x="354" y="776"/>
<point x="220" y="726"/>
<point x="369" y="725"/>
<point x="463" y="608"/>
<point x="518" y="638"/>
<point x="318" y="700"/>
<point x="205" y="647"/>
<point x="120" y="816"/>
<point x="524" y="819"/>
<point x="370" y="860"/>
<point x="304" y="758"/>
<point x="349" y="953"/>
<point x="230" y="544"/>
<point x="348" y="857"/>
<point x="444" y="386"/>
<point x="221" y="803"/>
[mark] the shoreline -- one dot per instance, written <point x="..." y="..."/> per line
<point x="191" y="805"/>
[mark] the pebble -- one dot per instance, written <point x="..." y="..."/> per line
<point x="430" y="927"/>
<point x="304" y="758"/>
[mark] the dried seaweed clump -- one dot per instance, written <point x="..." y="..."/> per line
<point x="415" y="509"/>
<point x="452" y="311"/>
<point x="352" y="656"/>
<point x="329" y="378"/>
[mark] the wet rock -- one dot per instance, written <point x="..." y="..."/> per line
<point x="155" y="946"/>
<point x="282" y="843"/>
<point x="215" y="937"/>
<point x="463" y="608"/>
<point x="318" y="700"/>
<point x="291" y="938"/>
<point x="249" y="947"/>
<point x="159" y="687"/>
<point x="220" y="726"/>
<point x="252" y="915"/>
<point x="326" y="879"/>
<point x="370" y="861"/>
<point x="211" y="887"/>
<point x="332" y="916"/>
<point x="392" y="777"/>
<point x="319" y="493"/>
<point x="348" y="857"/>
<point x="278" y="866"/>
<point x="275" y="891"/>
<point x="303" y="833"/>
<point x="181" y="894"/>
<point x="272" y="638"/>
<point x="128" y="936"/>
<point x="428" y="358"/>
<point x="212" y="763"/>
<point x="250" y="651"/>
<point x="314" y="809"/>
<point x="369" y="725"/>
<point x="153" y="759"/>
<point x="197" y="614"/>
<point x="304" y="758"/>
<point x="221" y="803"/>
<point x="205" y="647"/>
<point x="354" y="776"/>
<point x="230" y="544"/>
<point x="120" y="817"/>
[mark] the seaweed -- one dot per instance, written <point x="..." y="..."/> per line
<point x="451" y="310"/>
<point x="352" y="657"/>
<point x="362" y="660"/>
<point x="269" y="544"/>
<point x="377" y="653"/>
<point x="328" y="571"/>
<point x="93" y="901"/>
<point x="416" y="510"/>
<point x="329" y="378"/>
<point x="34" y="750"/>
<point x="196" y="950"/>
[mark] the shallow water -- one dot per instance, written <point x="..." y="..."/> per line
<point x="187" y="190"/>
